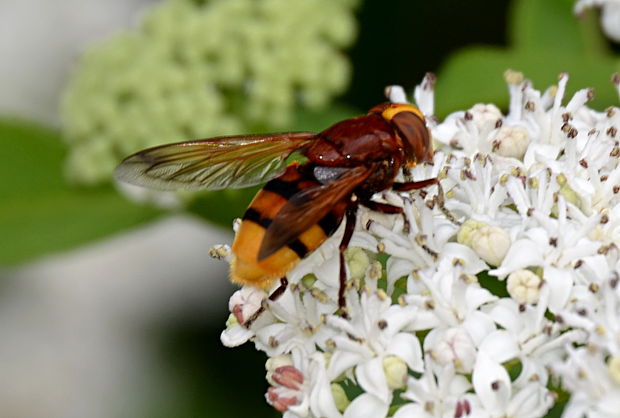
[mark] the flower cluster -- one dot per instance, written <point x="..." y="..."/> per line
<point x="186" y="70"/>
<point x="502" y="295"/>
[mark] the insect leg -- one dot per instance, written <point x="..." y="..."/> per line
<point x="351" y="216"/>
<point x="441" y="204"/>
<point x="275" y="295"/>
<point x="413" y="185"/>
<point x="382" y="207"/>
<point x="389" y="209"/>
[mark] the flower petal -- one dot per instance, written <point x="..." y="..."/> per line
<point x="500" y="346"/>
<point x="491" y="383"/>
<point x="367" y="406"/>
<point x="522" y="253"/>
<point x="560" y="283"/>
<point x="235" y="336"/>
<point x="407" y="347"/>
<point x="412" y="410"/>
<point x="341" y="361"/>
<point x="371" y="378"/>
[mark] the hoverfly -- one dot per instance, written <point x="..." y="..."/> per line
<point x="301" y="204"/>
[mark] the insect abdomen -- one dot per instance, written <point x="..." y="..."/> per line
<point x="245" y="267"/>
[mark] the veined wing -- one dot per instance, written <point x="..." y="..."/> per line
<point x="215" y="163"/>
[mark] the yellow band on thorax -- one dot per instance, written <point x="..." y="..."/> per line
<point x="397" y="108"/>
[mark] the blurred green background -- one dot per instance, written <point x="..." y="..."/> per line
<point x="95" y="287"/>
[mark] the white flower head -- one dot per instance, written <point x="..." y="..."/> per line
<point x="500" y="279"/>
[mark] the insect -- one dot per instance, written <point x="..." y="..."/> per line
<point x="301" y="204"/>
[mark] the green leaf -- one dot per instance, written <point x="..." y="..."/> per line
<point x="493" y="284"/>
<point x="463" y="74"/>
<point x="546" y="39"/>
<point x="549" y="24"/>
<point x="39" y="213"/>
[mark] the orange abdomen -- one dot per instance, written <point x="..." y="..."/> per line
<point x="245" y="267"/>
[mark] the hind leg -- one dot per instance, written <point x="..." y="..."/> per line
<point x="275" y="295"/>
<point x="351" y="217"/>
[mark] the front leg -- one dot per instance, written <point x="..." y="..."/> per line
<point x="413" y="185"/>
<point x="388" y="209"/>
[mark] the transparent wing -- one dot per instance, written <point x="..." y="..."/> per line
<point x="307" y="207"/>
<point x="215" y="163"/>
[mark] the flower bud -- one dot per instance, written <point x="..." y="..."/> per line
<point x="491" y="243"/>
<point x="485" y="116"/>
<point x="340" y="397"/>
<point x="467" y="230"/>
<point x="358" y="261"/>
<point x="524" y="286"/>
<point x="511" y="141"/>
<point x="274" y="363"/>
<point x="455" y="346"/>
<point x="308" y="280"/>
<point x="288" y="376"/>
<point x="396" y="371"/>
<point x="280" y="399"/>
<point x="375" y="271"/>
<point x="245" y="302"/>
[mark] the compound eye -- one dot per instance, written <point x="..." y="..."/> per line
<point x="416" y="138"/>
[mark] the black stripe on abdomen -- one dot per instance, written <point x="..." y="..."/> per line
<point x="329" y="223"/>
<point x="299" y="247"/>
<point x="286" y="189"/>
<point x="253" y="215"/>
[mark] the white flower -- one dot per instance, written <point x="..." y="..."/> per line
<point x="436" y="393"/>
<point x="537" y="340"/>
<point x="471" y="131"/>
<point x="373" y="334"/>
<point x="585" y="374"/>
<point x="301" y="389"/>
<point x="297" y="323"/>
<point x="243" y="304"/>
<point x="450" y="297"/>
<point x="498" y="396"/>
